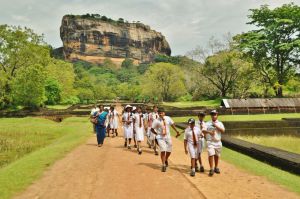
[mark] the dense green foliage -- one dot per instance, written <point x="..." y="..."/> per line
<point x="274" y="46"/>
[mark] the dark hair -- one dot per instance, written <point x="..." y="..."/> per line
<point x="161" y="109"/>
<point x="201" y="114"/>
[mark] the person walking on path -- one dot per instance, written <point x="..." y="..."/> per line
<point x="127" y="126"/>
<point x="161" y="128"/>
<point x="214" y="145"/>
<point x="191" y="142"/>
<point x="200" y="123"/>
<point x="113" y="121"/>
<point x="100" y="126"/>
<point x="94" y="110"/>
<point x="139" y="126"/>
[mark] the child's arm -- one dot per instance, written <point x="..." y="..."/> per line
<point x="177" y="132"/>
<point x="185" y="147"/>
<point x="221" y="129"/>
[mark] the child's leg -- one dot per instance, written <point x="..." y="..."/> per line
<point x="211" y="161"/>
<point x="163" y="157"/>
<point x="168" y="155"/>
<point x="200" y="160"/>
<point x="193" y="161"/>
<point x="129" y="141"/>
<point x="216" y="157"/>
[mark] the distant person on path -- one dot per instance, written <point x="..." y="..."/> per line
<point x="94" y="110"/>
<point x="200" y="123"/>
<point x="161" y="128"/>
<point x="113" y="121"/>
<point x="134" y="132"/>
<point x="151" y="117"/>
<point x="191" y="142"/>
<point x="214" y="145"/>
<point x="100" y="126"/>
<point x="127" y="126"/>
<point x="139" y="126"/>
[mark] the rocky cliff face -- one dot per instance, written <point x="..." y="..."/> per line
<point x="95" y="39"/>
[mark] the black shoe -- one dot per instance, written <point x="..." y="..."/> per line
<point x="197" y="169"/>
<point x="156" y="153"/>
<point x="201" y="169"/>
<point x="125" y="144"/>
<point x="167" y="163"/>
<point x="163" y="168"/>
<point x="217" y="170"/>
<point x="135" y="146"/>
<point x="129" y="147"/>
<point x="140" y="152"/>
<point x="211" y="172"/>
<point x="192" y="173"/>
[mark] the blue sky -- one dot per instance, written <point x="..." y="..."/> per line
<point x="185" y="23"/>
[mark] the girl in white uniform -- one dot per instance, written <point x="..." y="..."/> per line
<point x="191" y="136"/>
<point x="127" y="126"/>
<point x="114" y="120"/>
<point x="139" y="127"/>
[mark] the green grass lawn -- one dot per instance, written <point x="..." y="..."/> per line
<point x="33" y="144"/>
<point x="58" y="107"/>
<point x="284" y="142"/>
<point x="248" y="164"/>
<point x="259" y="117"/>
<point x="207" y="103"/>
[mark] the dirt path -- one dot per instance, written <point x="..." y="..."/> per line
<point x="115" y="172"/>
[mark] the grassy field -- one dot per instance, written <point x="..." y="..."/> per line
<point x="248" y="164"/>
<point x="284" y="142"/>
<point x="33" y="144"/>
<point x="207" y="103"/>
<point x="58" y="107"/>
<point x="259" y="117"/>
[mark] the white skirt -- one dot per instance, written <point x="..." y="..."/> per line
<point x="113" y="124"/>
<point x="128" y="131"/>
<point x="139" y="133"/>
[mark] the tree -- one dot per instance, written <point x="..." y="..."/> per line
<point x="29" y="86"/>
<point x="164" y="80"/>
<point x="53" y="91"/>
<point x="63" y="73"/>
<point x="275" y="45"/>
<point x="127" y="63"/>
<point x="223" y="70"/>
<point x="19" y="48"/>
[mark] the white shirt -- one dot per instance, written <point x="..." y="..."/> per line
<point x="113" y="114"/>
<point x="136" y="118"/>
<point x="188" y="134"/>
<point x="210" y="127"/>
<point x="127" y="116"/>
<point x="158" y="125"/>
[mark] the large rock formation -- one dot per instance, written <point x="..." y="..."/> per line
<point x="94" y="39"/>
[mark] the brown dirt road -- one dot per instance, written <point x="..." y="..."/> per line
<point x="115" y="172"/>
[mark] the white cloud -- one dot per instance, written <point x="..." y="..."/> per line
<point x="185" y="24"/>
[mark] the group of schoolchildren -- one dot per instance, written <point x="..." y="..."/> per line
<point x="156" y="126"/>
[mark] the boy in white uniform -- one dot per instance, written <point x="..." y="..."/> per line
<point x="127" y="126"/>
<point x="161" y="128"/>
<point x="202" y="126"/>
<point x="191" y="136"/>
<point x="113" y="121"/>
<point x="138" y="122"/>
<point x="214" y="145"/>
